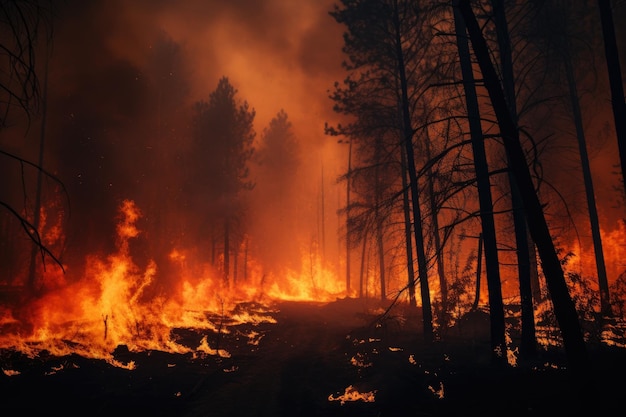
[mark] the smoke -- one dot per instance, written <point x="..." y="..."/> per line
<point x="123" y="78"/>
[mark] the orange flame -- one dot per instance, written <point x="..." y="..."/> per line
<point x="113" y="303"/>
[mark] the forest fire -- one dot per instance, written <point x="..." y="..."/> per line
<point x="322" y="207"/>
<point x="114" y="303"/>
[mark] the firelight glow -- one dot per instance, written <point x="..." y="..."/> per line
<point x="109" y="307"/>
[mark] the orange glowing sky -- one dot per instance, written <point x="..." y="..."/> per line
<point x="278" y="54"/>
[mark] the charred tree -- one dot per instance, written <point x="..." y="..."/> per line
<point x="605" y="302"/>
<point x="523" y="245"/>
<point x="434" y="215"/>
<point x="226" y="266"/>
<point x="383" y="39"/>
<point x="380" y="244"/>
<point x="32" y="270"/>
<point x="348" y="184"/>
<point x="362" y="276"/>
<point x="479" y="268"/>
<point x="615" y="79"/>
<point x="408" y="238"/>
<point x="492" y="265"/>
<point x="379" y="217"/>
<point x="564" y="307"/>
<point x="408" y="134"/>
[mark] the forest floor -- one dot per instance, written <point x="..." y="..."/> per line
<point x="332" y="359"/>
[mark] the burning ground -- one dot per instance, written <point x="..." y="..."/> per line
<point x="113" y="343"/>
<point x="108" y="339"/>
<point x="310" y="359"/>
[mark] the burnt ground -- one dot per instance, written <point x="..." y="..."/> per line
<point x="305" y="360"/>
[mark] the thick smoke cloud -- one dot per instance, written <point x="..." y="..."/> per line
<point x="125" y="75"/>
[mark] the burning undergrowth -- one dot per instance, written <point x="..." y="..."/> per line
<point x="118" y="304"/>
<point x="113" y="341"/>
<point x="340" y="358"/>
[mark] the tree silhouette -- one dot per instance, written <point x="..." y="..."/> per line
<point x="276" y="193"/>
<point x="615" y="79"/>
<point x="524" y="247"/>
<point x="496" y="307"/>
<point x="25" y="26"/>
<point x="385" y="45"/>
<point x="223" y="146"/>
<point x="563" y="305"/>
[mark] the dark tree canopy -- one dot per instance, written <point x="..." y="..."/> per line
<point x="223" y="145"/>
<point x="279" y="151"/>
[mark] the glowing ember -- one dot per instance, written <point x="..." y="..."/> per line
<point x="352" y="394"/>
<point x="10" y="372"/>
<point x="204" y="347"/>
<point x="438" y="392"/>
<point x="360" y="361"/>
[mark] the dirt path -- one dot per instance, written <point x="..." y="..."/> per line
<point x="300" y="362"/>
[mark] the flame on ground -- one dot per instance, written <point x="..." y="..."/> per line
<point x="352" y="394"/>
<point x="115" y="302"/>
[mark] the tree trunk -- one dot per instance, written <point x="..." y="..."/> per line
<point x="407" y="230"/>
<point x="235" y="261"/>
<point x="492" y="265"/>
<point x="32" y="270"/>
<point x="381" y="260"/>
<point x="362" y="270"/>
<point x="245" y="260"/>
<point x="213" y="244"/>
<point x="434" y="214"/>
<point x="564" y="308"/>
<point x="322" y="234"/>
<point x="226" y="251"/>
<point x="348" y="177"/>
<point x="479" y="268"/>
<point x="407" y="130"/>
<point x="605" y="302"/>
<point x="615" y="79"/>
<point x="522" y="243"/>
<point x="379" y="226"/>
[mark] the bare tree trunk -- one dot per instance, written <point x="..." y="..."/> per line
<point x="226" y="251"/>
<point x="381" y="260"/>
<point x="434" y="214"/>
<point x="245" y="260"/>
<point x="348" y="177"/>
<point x="379" y="227"/>
<point x="235" y="260"/>
<point x="406" y="208"/>
<point x="605" y="302"/>
<point x="522" y="244"/>
<point x="213" y="243"/>
<point x="32" y="270"/>
<point x="615" y="79"/>
<point x="479" y="268"/>
<point x="492" y="264"/>
<point x="564" y="308"/>
<point x="323" y="219"/>
<point x="407" y="130"/>
<point x="362" y="270"/>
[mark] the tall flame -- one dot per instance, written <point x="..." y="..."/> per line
<point x="115" y="302"/>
